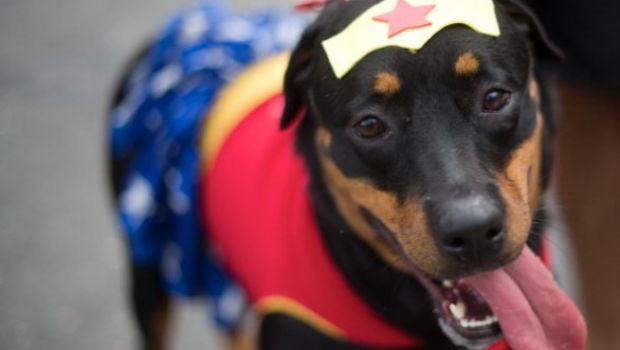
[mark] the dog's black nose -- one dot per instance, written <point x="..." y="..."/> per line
<point x="470" y="228"/>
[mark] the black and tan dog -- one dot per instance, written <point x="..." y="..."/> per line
<point x="425" y="169"/>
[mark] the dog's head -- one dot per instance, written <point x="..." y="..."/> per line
<point x="434" y="158"/>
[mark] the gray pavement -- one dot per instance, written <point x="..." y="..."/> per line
<point x="62" y="284"/>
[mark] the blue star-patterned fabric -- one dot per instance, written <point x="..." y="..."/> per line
<point x="158" y="123"/>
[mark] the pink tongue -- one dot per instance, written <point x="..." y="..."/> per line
<point x="532" y="310"/>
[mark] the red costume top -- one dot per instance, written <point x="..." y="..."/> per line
<point x="260" y="220"/>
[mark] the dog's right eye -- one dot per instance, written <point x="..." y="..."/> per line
<point x="495" y="100"/>
<point x="370" y="127"/>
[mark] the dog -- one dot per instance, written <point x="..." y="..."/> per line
<point x="389" y="196"/>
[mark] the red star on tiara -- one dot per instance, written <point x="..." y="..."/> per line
<point x="405" y="17"/>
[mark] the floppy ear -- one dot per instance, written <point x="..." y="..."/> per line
<point x="298" y="74"/>
<point x="527" y="21"/>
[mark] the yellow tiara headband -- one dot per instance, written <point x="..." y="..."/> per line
<point x="409" y="24"/>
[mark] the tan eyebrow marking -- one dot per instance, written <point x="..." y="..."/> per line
<point x="467" y="64"/>
<point x="387" y="83"/>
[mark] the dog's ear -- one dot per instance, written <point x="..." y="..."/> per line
<point x="298" y="74"/>
<point x="526" y="21"/>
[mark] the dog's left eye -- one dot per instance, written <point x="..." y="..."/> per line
<point x="495" y="100"/>
<point x="370" y="127"/>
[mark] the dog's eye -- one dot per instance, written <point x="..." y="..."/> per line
<point x="495" y="100"/>
<point x="370" y="127"/>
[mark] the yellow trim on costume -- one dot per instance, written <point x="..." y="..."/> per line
<point x="253" y="87"/>
<point x="284" y="305"/>
<point x="365" y="35"/>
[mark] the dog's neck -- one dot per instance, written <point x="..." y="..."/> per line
<point x="394" y="294"/>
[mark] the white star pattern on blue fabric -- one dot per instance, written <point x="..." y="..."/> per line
<point x="177" y="200"/>
<point x="165" y="79"/>
<point x="195" y="24"/>
<point x="232" y="304"/>
<point x="137" y="201"/>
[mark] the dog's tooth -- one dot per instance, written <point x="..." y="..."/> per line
<point x="489" y="320"/>
<point x="458" y="310"/>
<point x="464" y="323"/>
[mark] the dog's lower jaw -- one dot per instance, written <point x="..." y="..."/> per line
<point x="460" y="340"/>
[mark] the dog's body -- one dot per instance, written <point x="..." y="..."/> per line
<point x="417" y="168"/>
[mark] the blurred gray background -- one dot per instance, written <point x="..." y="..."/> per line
<point x="62" y="283"/>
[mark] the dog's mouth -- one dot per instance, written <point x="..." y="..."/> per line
<point x="520" y="302"/>
<point x="463" y="314"/>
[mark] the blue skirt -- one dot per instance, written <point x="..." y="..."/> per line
<point x="170" y="91"/>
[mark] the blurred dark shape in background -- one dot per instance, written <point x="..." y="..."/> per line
<point x="588" y="153"/>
